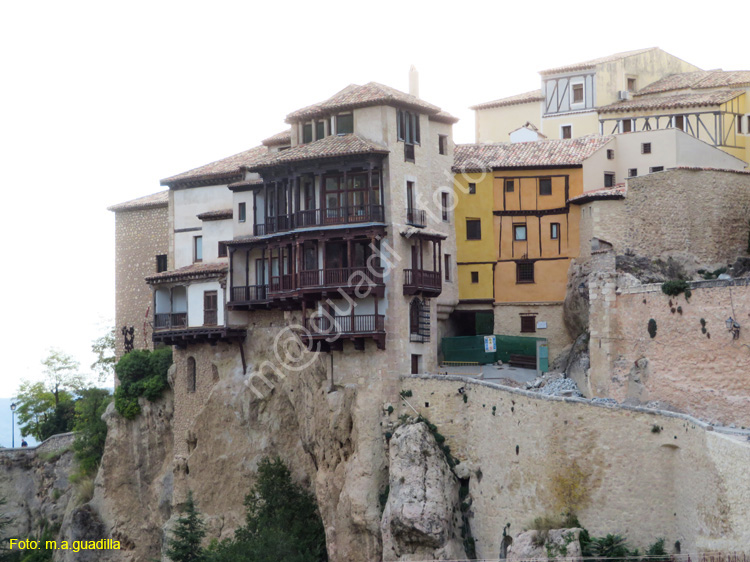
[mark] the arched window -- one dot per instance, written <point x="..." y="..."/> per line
<point x="191" y="374"/>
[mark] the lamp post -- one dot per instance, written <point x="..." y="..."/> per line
<point x="13" y="424"/>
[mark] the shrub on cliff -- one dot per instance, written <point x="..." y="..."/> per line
<point x="282" y="522"/>
<point x="141" y="373"/>
<point x="91" y="430"/>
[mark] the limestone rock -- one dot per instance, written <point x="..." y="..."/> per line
<point x="558" y="544"/>
<point x="419" y="521"/>
<point x="576" y="304"/>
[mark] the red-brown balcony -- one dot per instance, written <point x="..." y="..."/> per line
<point x="334" y="329"/>
<point x="320" y="217"/>
<point x="429" y="283"/>
<point x="361" y="278"/>
<point x="249" y="295"/>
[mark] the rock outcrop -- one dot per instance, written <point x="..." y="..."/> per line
<point x="542" y="545"/>
<point x="421" y="516"/>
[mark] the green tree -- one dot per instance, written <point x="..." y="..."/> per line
<point x="62" y="373"/>
<point x="282" y="523"/>
<point x="141" y="373"/>
<point x="104" y="349"/>
<point x="91" y="430"/>
<point x="185" y="546"/>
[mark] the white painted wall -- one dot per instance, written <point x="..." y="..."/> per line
<point x="190" y="202"/>
<point x="195" y="302"/>
<point x="213" y="233"/>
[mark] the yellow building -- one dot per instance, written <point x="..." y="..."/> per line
<point x="523" y="189"/>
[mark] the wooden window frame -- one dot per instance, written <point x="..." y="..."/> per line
<point x="516" y="229"/>
<point x="307" y="133"/>
<point x="645" y="148"/>
<point x="523" y="268"/>
<point x="478" y="223"/>
<point x="472" y="188"/>
<point x="528" y="323"/>
<point x="197" y="249"/>
<point x="631" y="84"/>
<point x="678" y="124"/>
<point x="609" y="179"/>
<point x="241" y="211"/>
<point x="444" y="205"/>
<point x="510" y="186"/>
<point x="654" y="169"/>
<point x="447" y="266"/>
<point x="474" y="277"/>
<point x="548" y="183"/>
<point x="566" y="129"/>
<point x="320" y="130"/>
<point x="632" y="172"/>
<point x="554" y="230"/>
<point x="222" y="251"/>
<point x="610" y="154"/>
<point x="443" y="144"/>
<point x="338" y="124"/>
<point x="629" y="128"/>
<point x="574" y="89"/>
<point x="161" y="263"/>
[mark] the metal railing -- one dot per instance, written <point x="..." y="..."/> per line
<point x="416" y="217"/>
<point x="346" y="324"/>
<point x="170" y="320"/>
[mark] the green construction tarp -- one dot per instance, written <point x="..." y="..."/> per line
<point x="471" y="349"/>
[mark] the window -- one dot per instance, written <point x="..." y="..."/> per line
<point x="475" y="277"/>
<point x="473" y="229"/>
<point x="415" y="364"/>
<point x="345" y="124"/>
<point x="609" y="179"/>
<point x="627" y="125"/>
<point x="519" y="232"/>
<point x="610" y="154"/>
<point x="222" y="249"/>
<point x="472" y="188"/>
<point x="161" y="263"/>
<point x="444" y="205"/>
<point x="631" y="84"/>
<point x="656" y="169"/>
<point x="407" y="127"/>
<point x="577" y="93"/>
<point x="525" y="272"/>
<point x="566" y="132"/>
<point x="443" y="144"/>
<point x="645" y="148"/>
<point x="191" y="375"/>
<point x="210" y="308"/>
<point x="320" y="130"/>
<point x="447" y="266"/>
<point x="528" y="323"/>
<point x="554" y="230"/>
<point x="307" y="133"/>
<point x="419" y="321"/>
<point x="679" y="122"/>
<point x="545" y="186"/>
<point x="242" y="212"/>
<point x="509" y="186"/>
<point x="632" y="172"/>
<point x="197" y="248"/>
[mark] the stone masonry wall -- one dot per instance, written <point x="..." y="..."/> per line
<point x="523" y="453"/>
<point x="140" y="235"/>
<point x="693" y="363"/>
<point x="508" y="322"/>
<point x="700" y="214"/>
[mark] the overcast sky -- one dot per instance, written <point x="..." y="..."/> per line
<point x="100" y="100"/>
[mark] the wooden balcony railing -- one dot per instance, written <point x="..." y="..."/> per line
<point x="281" y="283"/>
<point x="339" y="277"/>
<point x="250" y="293"/>
<point x="170" y="320"/>
<point x="416" y="217"/>
<point x="422" y="279"/>
<point x="320" y="217"/>
<point x="345" y="325"/>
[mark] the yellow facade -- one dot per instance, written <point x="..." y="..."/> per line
<point x="536" y="232"/>
<point x="475" y="256"/>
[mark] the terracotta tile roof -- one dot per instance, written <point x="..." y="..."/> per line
<point x="240" y="185"/>
<point x="284" y="137"/>
<point x="567" y="152"/>
<point x="527" y="97"/>
<point x="428" y="233"/>
<point x="444" y="117"/>
<point x="593" y="62"/>
<point x="675" y="101"/>
<point x="216" y="215"/>
<point x="617" y="192"/>
<point x="328" y="147"/>
<point x="194" y="271"/>
<point x="225" y="168"/>
<point x="354" y="96"/>
<point x="238" y="240"/>
<point x="707" y="169"/>
<point x="698" y="80"/>
<point x="160" y="199"/>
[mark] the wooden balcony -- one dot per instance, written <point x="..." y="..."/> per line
<point x="249" y="297"/>
<point x="429" y="283"/>
<point x="334" y="330"/>
<point x="170" y="320"/>
<point x="320" y="217"/>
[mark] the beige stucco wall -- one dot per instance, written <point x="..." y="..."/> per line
<point x="701" y="215"/>
<point x="701" y="374"/>
<point x="496" y="123"/>
<point x="584" y="123"/>
<point x="140" y="235"/>
<point x="683" y="483"/>
<point x="508" y="323"/>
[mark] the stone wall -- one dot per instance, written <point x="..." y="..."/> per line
<point x="701" y="215"/>
<point x="141" y="233"/>
<point x="635" y="472"/>
<point x="693" y="364"/>
<point x="508" y="323"/>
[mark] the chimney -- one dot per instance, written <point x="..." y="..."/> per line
<point x="413" y="82"/>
